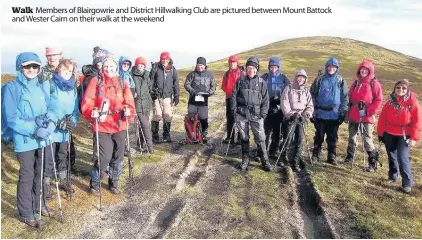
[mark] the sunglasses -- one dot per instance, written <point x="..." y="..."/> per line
<point x="33" y="66"/>
<point x="403" y="87"/>
<point x="125" y="63"/>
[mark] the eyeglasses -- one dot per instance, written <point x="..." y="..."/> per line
<point x="33" y="66"/>
<point x="403" y="87"/>
<point x="125" y="63"/>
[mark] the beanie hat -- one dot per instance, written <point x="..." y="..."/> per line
<point x="96" y="49"/>
<point x="111" y="59"/>
<point x="52" y="51"/>
<point x="253" y="61"/>
<point x="233" y="58"/>
<point x="402" y="82"/>
<point x="275" y="62"/>
<point x="97" y="60"/>
<point x="201" y="60"/>
<point x="140" y="60"/>
<point x="164" y="55"/>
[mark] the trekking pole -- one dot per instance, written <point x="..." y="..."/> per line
<point x="137" y="131"/>
<point x="143" y="137"/>
<point x="285" y="142"/>
<point x="307" y="146"/>
<point x="97" y="145"/>
<point x="231" y="135"/>
<point x="361" y="106"/>
<point x="129" y="157"/>
<point x="69" y="177"/>
<point x="56" y="181"/>
<point x="42" y="183"/>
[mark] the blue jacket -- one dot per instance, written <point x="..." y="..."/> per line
<point x="61" y="104"/>
<point x="22" y="110"/>
<point x="329" y="94"/>
<point x="126" y="74"/>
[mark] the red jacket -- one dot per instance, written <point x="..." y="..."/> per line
<point x="371" y="94"/>
<point x="406" y="114"/>
<point x="229" y="80"/>
<point x="117" y="97"/>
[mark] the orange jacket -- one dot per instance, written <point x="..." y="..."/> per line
<point x="109" y="90"/>
<point x="393" y="119"/>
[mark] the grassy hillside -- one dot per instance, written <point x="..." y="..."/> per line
<point x="360" y="204"/>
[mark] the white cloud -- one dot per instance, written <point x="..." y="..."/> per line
<point x="212" y="36"/>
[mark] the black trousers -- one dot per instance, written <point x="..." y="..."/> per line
<point x="326" y="127"/>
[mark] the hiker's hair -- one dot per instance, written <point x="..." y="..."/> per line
<point x="67" y="63"/>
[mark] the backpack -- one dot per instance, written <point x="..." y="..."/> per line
<point x="193" y="129"/>
<point x="315" y="91"/>
<point x="6" y="131"/>
<point x="371" y="84"/>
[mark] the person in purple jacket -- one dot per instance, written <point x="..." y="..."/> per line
<point x="297" y="107"/>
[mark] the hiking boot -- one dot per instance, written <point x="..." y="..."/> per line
<point x="166" y="132"/>
<point x="155" y="126"/>
<point x="349" y="158"/>
<point x="315" y="154"/>
<point x="372" y="160"/>
<point x="331" y="159"/>
<point x="392" y="181"/>
<point x="65" y="187"/>
<point x="114" y="190"/>
<point x="113" y="187"/>
<point x="94" y="191"/>
<point x="296" y="168"/>
<point x="407" y="190"/>
<point x="48" y="192"/>
<point x="47" y="212"/>
<point x="245" y="156"/>
<point x="30" y="221"/>
<point x="204" y="140"/>
<point x="262" y="153"/>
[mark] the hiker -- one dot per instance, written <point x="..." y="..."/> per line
<point x="250" y="107"/>
<point x="329" y="94"/>
<point x="229" y="80"/>
<point x="143" y="102"/>
<point x="63" y="110"/>
<point x="109" y="100"/>
<point x="297" y="107"/>
<point x="200" y="84"/>
<point x="165" y="94"/>
<point x="124" y="71"/>
<point x="399" y="128"/>
<point x="53" y="55"/>
<point x="27" y="99"/>
<point x="276" y="82"/>
<point x="365" y="99"/>
<point x="88" y="72"/>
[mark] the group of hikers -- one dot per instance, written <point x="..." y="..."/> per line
<point x="40" y="112"/>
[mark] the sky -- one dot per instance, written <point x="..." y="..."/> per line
<point x="390" y="24"/>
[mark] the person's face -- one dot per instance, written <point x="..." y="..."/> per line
<point x="65" y="72"/>
<point x="31" y="71"/>
<point x="165" y="62"/>
<point x="363" y="71"/>
<point x="400" y="90"/>
<point x="301" y="80"/>
<point x="110" y="68"/>
<point x="200" y="67"/>
<point x="273" y="69"/>
<point x="331" y="69"/>
<point x="140" y="67"/>
<point x="53" y="60"/>
<point x="99" y="65"/>
<point x="251" y="71"/>
<point x="233" y="65"/>
<point x="125" y="66"/>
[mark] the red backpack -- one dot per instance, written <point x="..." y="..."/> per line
<point x="193" y="129"/>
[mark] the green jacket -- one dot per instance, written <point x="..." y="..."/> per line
<point x="143" y="89"/>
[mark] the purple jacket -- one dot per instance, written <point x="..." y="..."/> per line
<point x="297" y="98"/>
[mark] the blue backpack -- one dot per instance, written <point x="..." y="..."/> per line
<point x="16" y="87"/>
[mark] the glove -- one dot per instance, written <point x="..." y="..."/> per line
<point x="95" y="113"/>
<point x="61" y="124"/>
<point x="306" y="115"/>
<point x="70" y="125"/>
<point x="312" y="120"/>
<point x="40" y="120"/>
<point x="176" y="100"/>
<point x="126" y="112"/>
<point x="362" y="113"/>
<point x="42" y="133"/>
<point x="381" y="139"/>
<point x="295" y="116"/>
<point x="340" y="119"/>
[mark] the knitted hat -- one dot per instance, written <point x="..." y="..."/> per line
<point x="201" y="61"/>
<point x="402" y="82"/>
<point x="96" y="49"/>
<point x="52" y="51"/>
<point x="97" y="60"/>
<point x="233" y="58"/>
<point x="253" y="61"/>
<point x="140" y="60"/>
<point x="164" y="55"/>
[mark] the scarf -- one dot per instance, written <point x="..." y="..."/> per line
<point x="63" y="84"/>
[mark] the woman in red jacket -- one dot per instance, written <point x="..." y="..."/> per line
<point x="108" y="98"/>
<point x="399" y="128"/>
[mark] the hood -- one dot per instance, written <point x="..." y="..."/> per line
<point x="136" y="72"/>
<point x="25" y="57"/>
<point x="89" y="70"/>
<point x="121" y="60"/>
<point x="369" y="65"/>
<point x="296" y="85"/>
<point x="274" y="62"/>
<point x="332" y="61"/>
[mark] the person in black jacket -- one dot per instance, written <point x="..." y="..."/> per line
<point x="200" y="84"/>
<point x="165" y="93"/>
<point x="250" y="105"/>
<point x="143" y="102"/>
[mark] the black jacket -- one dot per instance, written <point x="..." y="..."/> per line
<point x="200" y="82"/>
<point x="143" y="89"/>
<point x="164" y="87"/>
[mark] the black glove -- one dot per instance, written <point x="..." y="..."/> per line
<point x="301" y="118"/>
<point x="295" y="116"/>
<point x="381" y="138"/>
<point x="176" y="100"/>
<point x="70" y="125"/>
<point x="340" y="119"/>
<point x="312" y="120"/>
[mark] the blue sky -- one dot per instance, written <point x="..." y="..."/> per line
<point x="390" y="24"/>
